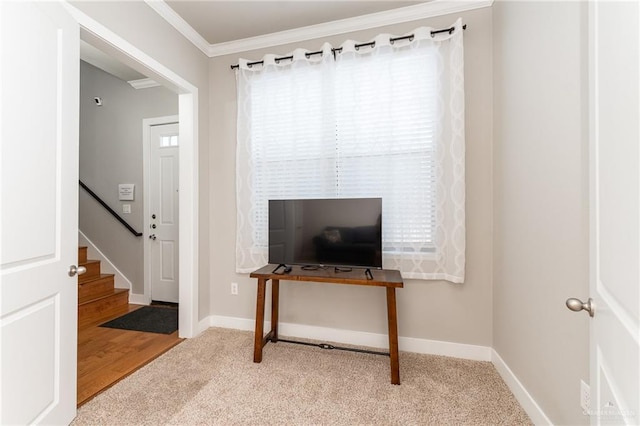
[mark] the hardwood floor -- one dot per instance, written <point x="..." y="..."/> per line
<point x="107" y="355"/>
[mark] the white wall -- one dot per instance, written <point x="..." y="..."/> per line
<point x="111" y="153"/>
<point x="427" y="310"/>
<point x="541" y="200"/>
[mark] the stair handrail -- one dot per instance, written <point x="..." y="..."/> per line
<point x="109" y="209"/>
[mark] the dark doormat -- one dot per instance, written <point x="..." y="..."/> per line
<point x="149" y="319"/>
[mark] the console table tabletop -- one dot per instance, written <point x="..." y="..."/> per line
<point x="328" y="274"/>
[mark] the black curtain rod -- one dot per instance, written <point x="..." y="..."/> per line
<point x="357" y="46"/>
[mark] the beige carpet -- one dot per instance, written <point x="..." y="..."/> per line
<point x="212" y="379"/>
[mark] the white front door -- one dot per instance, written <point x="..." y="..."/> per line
<point x="163" y="211"/>
<point x="614" y="47"/>
<point x="39" y="140"/>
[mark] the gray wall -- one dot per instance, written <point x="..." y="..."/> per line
<point x="541" y="200"/>
<point x="111" y="153"/>
<point x="428" y="310"/>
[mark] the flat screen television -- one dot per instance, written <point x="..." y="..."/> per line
<point x="345" y="232"/>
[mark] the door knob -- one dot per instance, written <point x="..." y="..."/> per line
<point x="76" y="270"/>
<point x="578" y="305"/>
<point x="152" y="237"/>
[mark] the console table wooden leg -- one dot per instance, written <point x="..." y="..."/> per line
<point x="259" y="333"/>
<point x="275" y="296"/>
<point x="393" y="335"/>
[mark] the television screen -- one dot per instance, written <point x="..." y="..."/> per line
<point x="336" y="232"/>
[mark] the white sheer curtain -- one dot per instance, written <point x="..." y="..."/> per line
<point x="285" y="142"/>
<point x="383" y="120"/>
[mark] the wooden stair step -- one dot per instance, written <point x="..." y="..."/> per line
<point x="93" y="271"/>
<point x="99" y="309"/>
<point x="82" y="255"/>
<point x="95" y="288"/>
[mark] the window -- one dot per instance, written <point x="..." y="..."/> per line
<point x="386" y="122"/>
<point x="367" y="124"/>
<point x="168" y="141"/>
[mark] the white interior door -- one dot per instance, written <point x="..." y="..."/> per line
<point x="163" y="210"/>
<point x="38" y="318"/>
<point x="615" y="214"/>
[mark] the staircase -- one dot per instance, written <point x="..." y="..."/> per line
<point x="98" y="299"/>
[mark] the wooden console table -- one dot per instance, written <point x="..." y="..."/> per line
<point x="390" y="279"/>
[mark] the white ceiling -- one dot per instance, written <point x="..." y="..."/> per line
<point x="223" y="21"/>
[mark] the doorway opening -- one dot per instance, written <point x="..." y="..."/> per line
<point x="104" y="39"/>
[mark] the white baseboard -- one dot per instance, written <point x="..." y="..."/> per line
<point x="107" y="267"/>
<point x="205" y="323"/>
<point x="359" y="338"/>
<point x="138" y="299"/>
<point x="228" y="322"/>
<point x="438" y="347"/>
<point x="530" y="406"/>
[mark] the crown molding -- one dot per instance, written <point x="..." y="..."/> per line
<point x="372" y="20"/>
<point x="172" y="17"/>
<point x="143" y="83"/>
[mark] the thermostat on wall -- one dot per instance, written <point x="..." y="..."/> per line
<point x="125" y="191"/>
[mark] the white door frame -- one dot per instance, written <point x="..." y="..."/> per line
<point x="119" y="48"/>
<point x="147" y="123"/>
